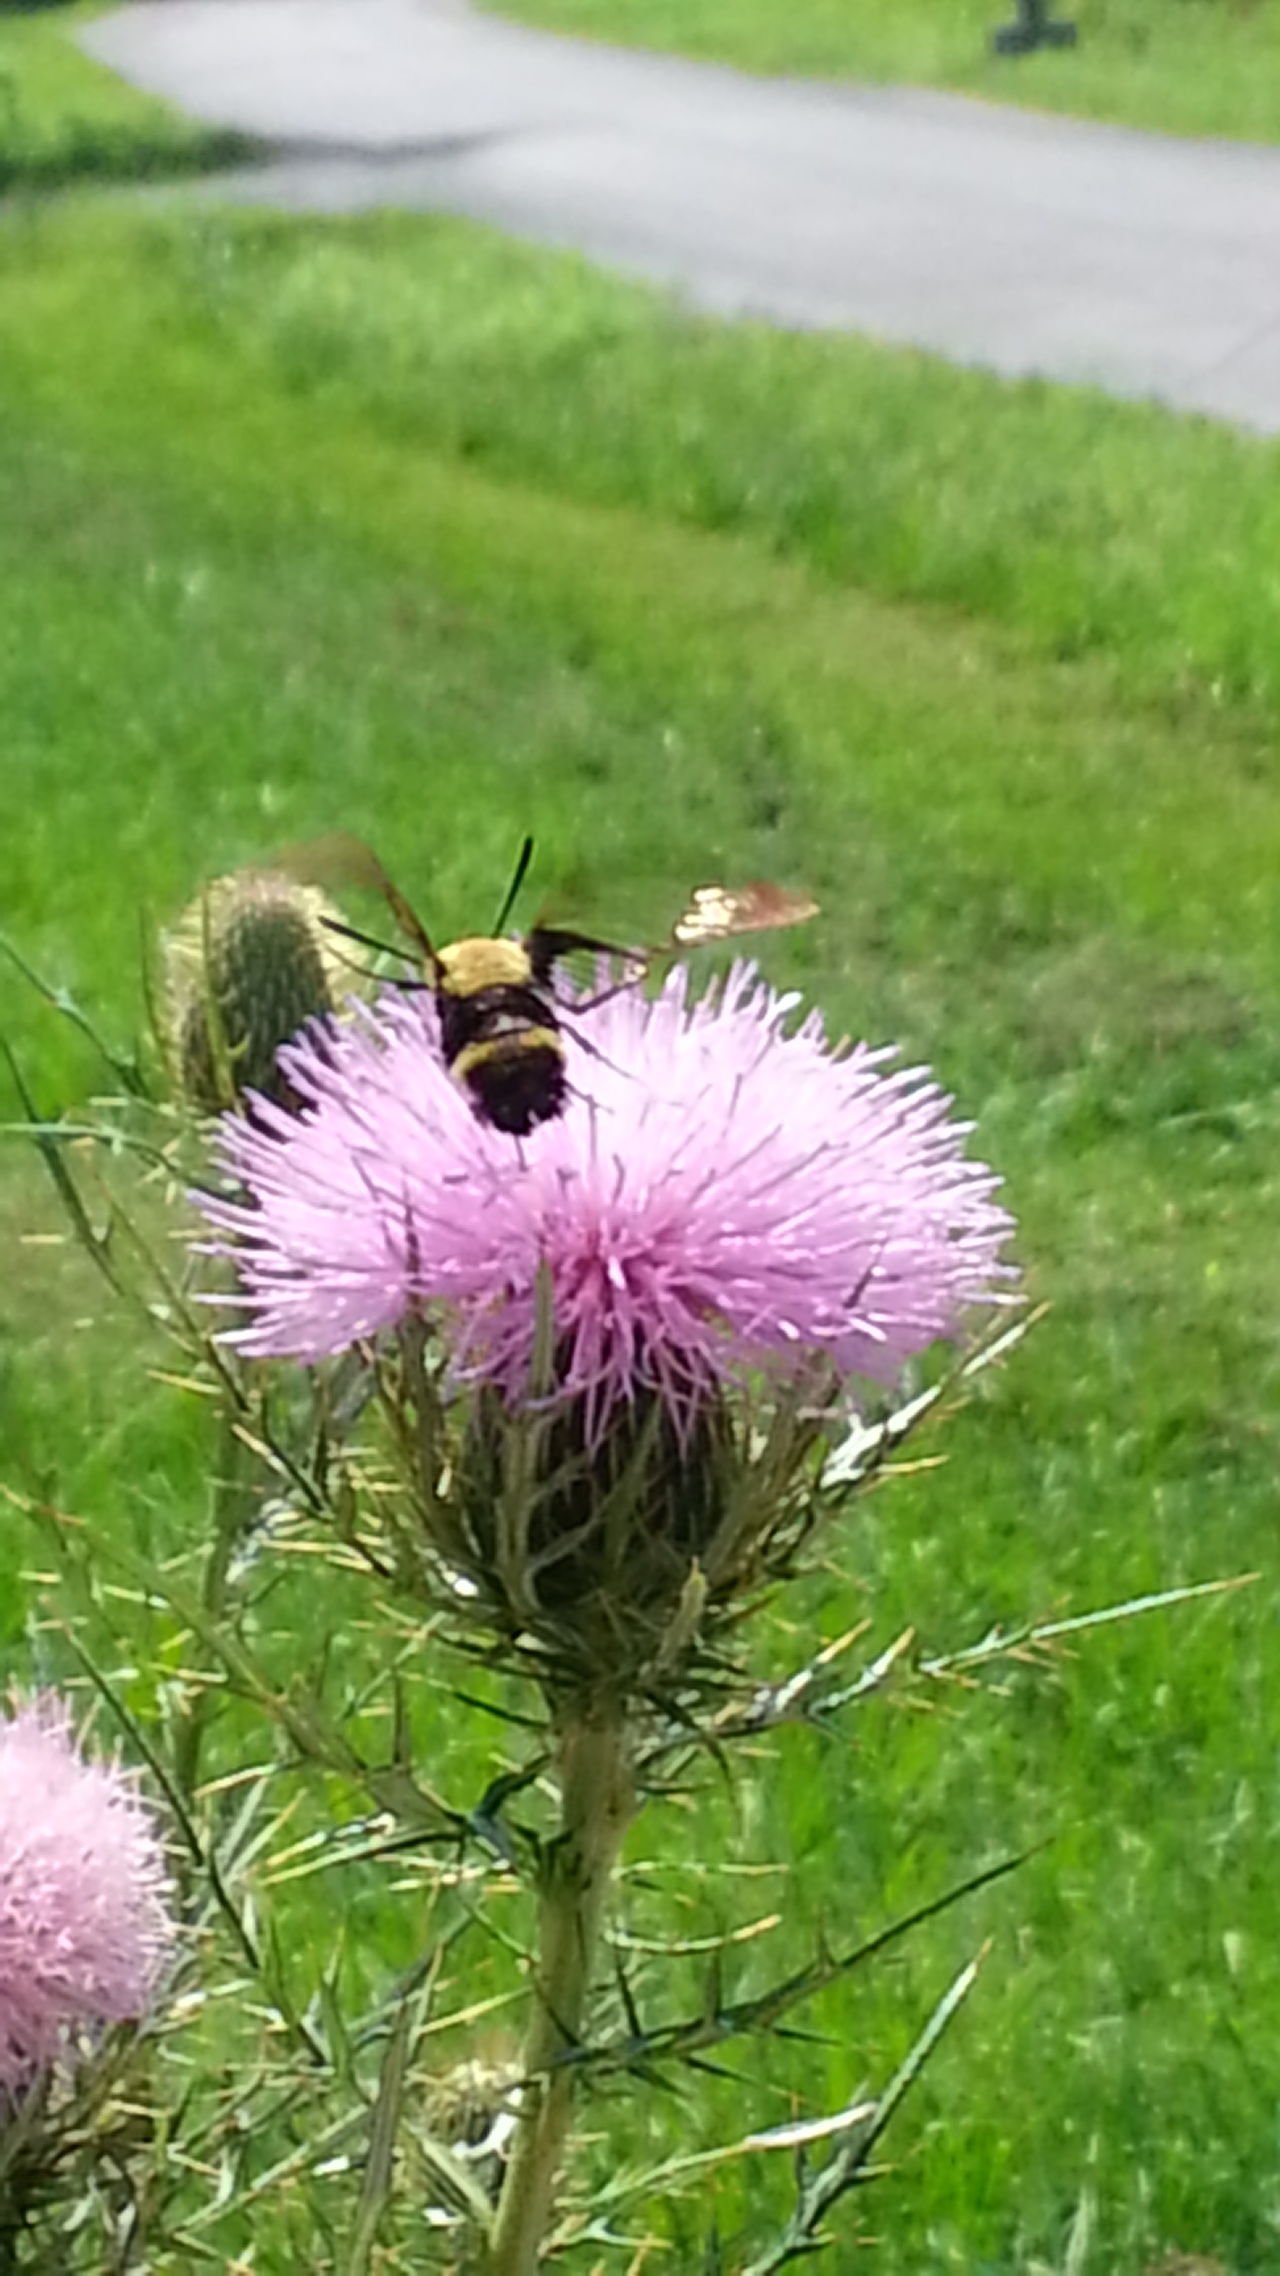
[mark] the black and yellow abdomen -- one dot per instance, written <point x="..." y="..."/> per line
<point x="499" y="1034"/>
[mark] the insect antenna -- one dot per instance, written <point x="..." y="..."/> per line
<point x="378" y="979"/>
<point x="523" y="859"/>
<point x="366" y="940"/>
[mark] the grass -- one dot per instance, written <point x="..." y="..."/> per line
<point x="432" y="537"/>
<point x="64" y="118"/>
<point x="1092" y="528"/>
<point x="1196" y="68"/>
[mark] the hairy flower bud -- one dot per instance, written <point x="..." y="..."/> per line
<point x="248" y="964"/>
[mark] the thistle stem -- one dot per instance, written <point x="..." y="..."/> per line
<point x="596" y="1806"/>
<point x="230" y="1507"/>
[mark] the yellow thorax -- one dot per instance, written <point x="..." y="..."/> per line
<point x="467" y="966"/>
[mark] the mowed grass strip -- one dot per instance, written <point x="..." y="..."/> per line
<point x="1095" y="528"/>
<point x="1198" y="68"/>
<point x="252" y="597"/>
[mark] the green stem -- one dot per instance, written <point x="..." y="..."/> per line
<point x="596" y="1805"/>
<point x="230" y="1505"/>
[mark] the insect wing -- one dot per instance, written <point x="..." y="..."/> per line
<point x="717" y="912"/>
<point x="549" y="946"/>
<point x="341" y="859"/>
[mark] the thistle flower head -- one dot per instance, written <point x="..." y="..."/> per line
<point x="644" y="1314"/>
<point x="84" y="1922"/>
<point x="246" y="966"/>
<point x="725" y="1194"/>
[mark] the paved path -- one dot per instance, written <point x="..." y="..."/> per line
<point x="997" y="237"/>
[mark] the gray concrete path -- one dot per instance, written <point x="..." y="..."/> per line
<point x="1003" y="238"/>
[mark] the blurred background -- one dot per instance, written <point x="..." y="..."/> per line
<point x="396" y="523"/>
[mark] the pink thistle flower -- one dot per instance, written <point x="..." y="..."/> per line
<point x="725" y="1195"/>
<point x="84" y="1920"/>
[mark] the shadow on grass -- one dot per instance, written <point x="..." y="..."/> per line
<point x="86" y="153"/>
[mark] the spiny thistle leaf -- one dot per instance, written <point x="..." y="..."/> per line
<point x="848" y="2165"/>
<point x="681" y="2041"/>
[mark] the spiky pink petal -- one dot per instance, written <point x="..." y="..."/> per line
<point x="724" y="1194"/>
<point x="84" y="1919"/>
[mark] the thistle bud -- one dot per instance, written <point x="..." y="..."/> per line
<point x="248" y="964"/>
<point x="586" y="1541"/>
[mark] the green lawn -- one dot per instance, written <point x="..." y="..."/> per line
<point x="1194" y="67"/>
<point x="440" y="539"/>
<point x="63" y="117"/>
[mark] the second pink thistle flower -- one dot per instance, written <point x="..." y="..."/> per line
<point x="84" y="1920"/>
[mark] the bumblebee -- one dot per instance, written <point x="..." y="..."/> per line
<point x="499" y="1028"/>
<point x="501" y="1034"/>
